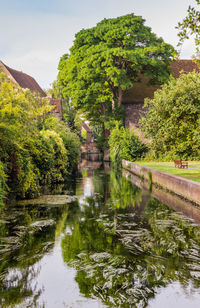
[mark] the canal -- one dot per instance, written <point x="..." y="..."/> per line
<point x="99" y="241"/>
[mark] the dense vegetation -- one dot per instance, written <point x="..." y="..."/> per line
<point x="173" y="119"/>
<point x="104" y="61"/>
<point x="70" y="116"/>
<point x="125" y="145"/>
<point x="109" y="58"/>
<point x="35" y="148"/>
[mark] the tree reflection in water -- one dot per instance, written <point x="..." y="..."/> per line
<point x="26" y="235"/>
<point x="127" y="245"/>
<point x="123" y="244"/>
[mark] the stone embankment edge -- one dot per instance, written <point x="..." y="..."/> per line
<point x="187" y="189"/>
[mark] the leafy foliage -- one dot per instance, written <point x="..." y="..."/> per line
<point x="35" y="148"/>
<point x="109" y="58"/>
<point x="125" y="145"/>
<point x="69" y="114"/>
<point x="173" y="119"/>
<point x="190" y="26"/>
<point x="55" y="90"/>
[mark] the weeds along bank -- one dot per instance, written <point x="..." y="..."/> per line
<point x="35" y="148"/>
<point x="124" y="144"/>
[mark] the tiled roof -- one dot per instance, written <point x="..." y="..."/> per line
<point x="86" y="127"/>
<point x="183" y="65"/>
<point x="25" y="81"/>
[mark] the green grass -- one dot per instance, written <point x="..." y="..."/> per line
<point x="168" y="167"/>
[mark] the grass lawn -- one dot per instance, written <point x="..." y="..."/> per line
<point x="168" y="167"/>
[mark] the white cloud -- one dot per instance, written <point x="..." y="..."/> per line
<point x="38" y="42"/>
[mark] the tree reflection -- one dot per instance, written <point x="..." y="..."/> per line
<point x="127" y="246"/>
<point x="26" y="235"/>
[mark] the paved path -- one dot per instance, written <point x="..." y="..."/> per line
<point x="193" y="169"/>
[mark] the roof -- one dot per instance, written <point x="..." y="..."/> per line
<point x="25" y="81"/>
<point x="186" y="66"/>
<point x="86" y="127"/>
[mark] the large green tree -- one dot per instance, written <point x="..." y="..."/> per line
<point x="109" y="58"/>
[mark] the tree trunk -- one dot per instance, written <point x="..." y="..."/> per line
<point x="103" y="111"/>
<point x="103" y="108"/>
<point x="119" y="96"/>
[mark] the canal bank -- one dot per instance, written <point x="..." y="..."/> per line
<point x="187" y="189"/>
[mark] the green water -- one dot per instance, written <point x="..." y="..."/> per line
<point x="112" y="245"/>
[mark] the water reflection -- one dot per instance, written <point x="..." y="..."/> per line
<point x="114" y="245"/>
<point x="22" y="246"/>
<point x="128" y="245"/>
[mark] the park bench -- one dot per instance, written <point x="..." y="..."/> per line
<point x="180" y="164"/>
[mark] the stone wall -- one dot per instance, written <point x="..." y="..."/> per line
<point x="187" y="189"/>
<point x="90" y="151"/>
<point x="134" y="111"/>
<point x="171" y="200"/>
<point x="133" y="102"/>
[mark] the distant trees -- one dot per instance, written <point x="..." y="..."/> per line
<point x="109" y="58"/>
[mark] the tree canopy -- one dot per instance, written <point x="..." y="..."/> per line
<point x="190" y="25"/>
<point x="109" y="58"/>
<point x="173" y="118"/>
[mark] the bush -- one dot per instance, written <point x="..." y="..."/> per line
<point x="125" y="145"/>
<point x="173" y="119"/>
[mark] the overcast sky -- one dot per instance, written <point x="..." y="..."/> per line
<point x="34" y="34"/>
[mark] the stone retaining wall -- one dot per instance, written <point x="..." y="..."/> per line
<point x="134" y="111"/>
<point x="180" y="186"/>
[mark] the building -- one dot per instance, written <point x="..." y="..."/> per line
<point x="27" y="82"/>
<point x="85" y="127"/>
<point x="133" y="98"/>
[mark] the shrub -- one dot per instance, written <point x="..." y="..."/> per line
<point x="173" y="119"/>
<point x="125" y="145"/>
<point x="35" y="148"/>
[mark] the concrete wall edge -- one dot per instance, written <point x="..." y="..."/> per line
<point x="187" y="189"/>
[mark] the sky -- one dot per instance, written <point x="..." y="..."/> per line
<point x="34" y="34"/>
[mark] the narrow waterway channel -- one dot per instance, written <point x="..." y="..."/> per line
<point x="111" y="245"/>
